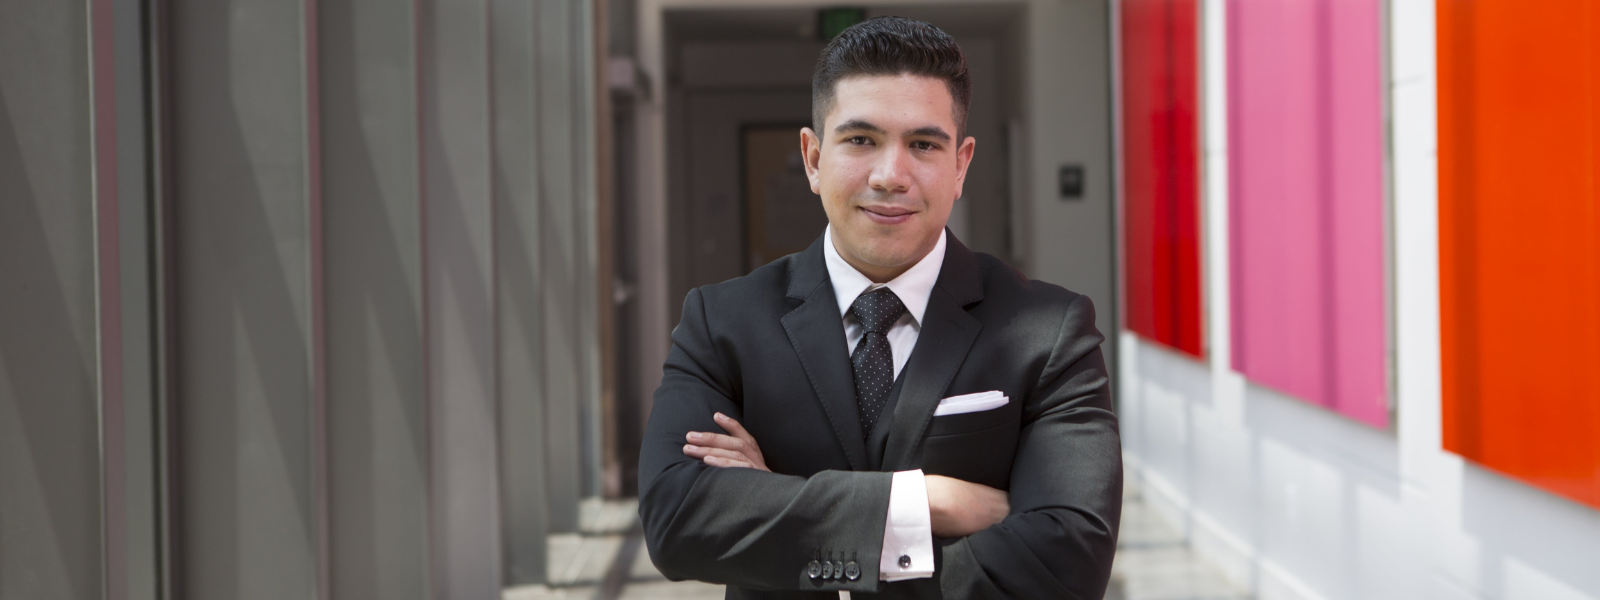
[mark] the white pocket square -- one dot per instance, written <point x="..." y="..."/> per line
<point x="966" y="403"/>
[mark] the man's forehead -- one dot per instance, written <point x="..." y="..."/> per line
<point x="892" y="102"/>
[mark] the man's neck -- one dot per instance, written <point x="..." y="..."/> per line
<point x="876" y="274"/>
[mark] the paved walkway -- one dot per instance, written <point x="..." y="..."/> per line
<point x="607" y="561"/>
<point x="1154" y="563"/>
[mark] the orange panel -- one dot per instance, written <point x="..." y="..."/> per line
<point x="1519" y="234"/>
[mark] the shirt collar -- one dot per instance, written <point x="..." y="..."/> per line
<point x="913" y="286"/>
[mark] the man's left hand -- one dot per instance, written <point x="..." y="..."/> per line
<point x="737" y="448"/>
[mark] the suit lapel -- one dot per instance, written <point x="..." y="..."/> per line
<point x="816" y="330"/>
<point x="947" y="334"/>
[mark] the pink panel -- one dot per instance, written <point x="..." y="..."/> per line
<point x="1305" y="156"/>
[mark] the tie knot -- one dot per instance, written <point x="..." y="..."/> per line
<point x="877" y="310"/>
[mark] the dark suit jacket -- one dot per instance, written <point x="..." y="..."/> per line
<point x="769" y="350"/>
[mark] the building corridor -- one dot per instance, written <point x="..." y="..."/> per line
<point x="344" y="299"/>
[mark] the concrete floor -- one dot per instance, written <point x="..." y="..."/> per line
<point x="1153" y="562"/>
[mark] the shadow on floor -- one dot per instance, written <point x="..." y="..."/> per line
<point x="607" y="561"/>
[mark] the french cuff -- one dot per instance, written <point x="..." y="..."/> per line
<point x="908" y="532"/>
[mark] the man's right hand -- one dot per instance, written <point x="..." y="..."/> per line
<point x="960" y="508"/>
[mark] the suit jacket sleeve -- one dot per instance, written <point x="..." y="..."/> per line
<point x="736" y="526"/>
<point x="1066" y="486"/>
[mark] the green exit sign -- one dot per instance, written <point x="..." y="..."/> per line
<point x="833" y="21"/>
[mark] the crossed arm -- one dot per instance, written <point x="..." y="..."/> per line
<point x="956" y="508"/>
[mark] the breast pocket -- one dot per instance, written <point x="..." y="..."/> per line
<point x="977" y="447"/>
<point x="972" y="421"/>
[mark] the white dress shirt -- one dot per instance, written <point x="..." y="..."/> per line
<point x="909" y="529"/>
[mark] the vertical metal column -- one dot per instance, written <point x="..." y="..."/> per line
<point x="372" y="232"/>
<point x="244" y="335"/>
<point x="602" y="177"/>
<point x="50" y="463"/>
<point x="458" y="292"/>
<point x="130" y="443"/>
<point x="582" y="73"/>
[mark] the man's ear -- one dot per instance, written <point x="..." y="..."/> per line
<point x="963" y="159"/>
<point x="811" y="154"/>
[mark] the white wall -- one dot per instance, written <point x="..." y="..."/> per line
<point x="1068" y="120"/>
<point x="1295" y="501"/>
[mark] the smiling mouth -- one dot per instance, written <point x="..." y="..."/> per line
<point x="887" y="215"/>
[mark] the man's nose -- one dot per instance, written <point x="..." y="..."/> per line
<point x="893" y="171"/>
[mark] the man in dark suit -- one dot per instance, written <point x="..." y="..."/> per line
<point x="886" y="413"/>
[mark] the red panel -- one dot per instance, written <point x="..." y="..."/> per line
<point x="1519" y="238"/>
<point x="1161" y="225"/>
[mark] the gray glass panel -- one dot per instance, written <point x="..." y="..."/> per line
<point x="458" y="292"/>
<point x="372" y="257"/>
<point x="520" y="301"/>
<point x="50" y="516"/>
<point x="242" y="322"/>
<point x="562" y="257"/>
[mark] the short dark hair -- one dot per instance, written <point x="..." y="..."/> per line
<point x="891" y="46"/>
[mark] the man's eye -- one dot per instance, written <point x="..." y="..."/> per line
<point x="859" y="140"/>
<point x="923" y="145"/>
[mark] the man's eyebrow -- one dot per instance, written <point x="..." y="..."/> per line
<point x="857" y="125"/>
<point x="931" y="131"/>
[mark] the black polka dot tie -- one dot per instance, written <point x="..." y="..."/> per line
<point x="873" y="359"/>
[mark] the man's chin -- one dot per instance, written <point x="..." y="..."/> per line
<point x="892" y="254"/>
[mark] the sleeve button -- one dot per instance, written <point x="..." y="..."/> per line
<point x="838" y="569"/>
<point x="852" y="571"/>
<point x="814" y="570"/>
<point x="827" y="569"/>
